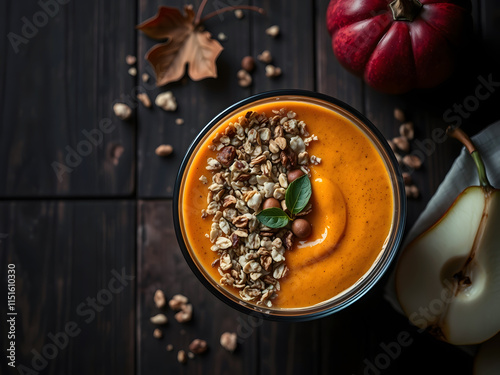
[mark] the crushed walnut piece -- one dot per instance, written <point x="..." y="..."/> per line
<point x="251" y="163"/>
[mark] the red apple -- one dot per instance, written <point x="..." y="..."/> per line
<point x="400" y="45"/>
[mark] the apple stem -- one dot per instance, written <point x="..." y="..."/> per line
<point x="460" y="135"/>
<point x="226" y="9"/>
<point x="405" y="10"/>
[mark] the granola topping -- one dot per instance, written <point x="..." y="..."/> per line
<point x="251" y="167"/>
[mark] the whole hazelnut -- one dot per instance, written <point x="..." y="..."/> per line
<point x="301" y="228"/>
<point x="294" y="174"/>
<point x="248" y="63"/>
<point x="270" y="203"/>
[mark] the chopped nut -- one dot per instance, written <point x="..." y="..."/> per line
<point x="130" y="59"/>
<point x="265" y="57"/>
<point x="198" y="346"/>
<point x="412" y="161"/>
<point x="411" y="191"/>
<point x="248" y="63"/>
<point x="407" y="130"/>
<point x="144" y="99"/>
<point x="272" y="71"/>
<point x="185" y="314"/>
<point x="169" y="347"/>
<point x="177" y="301"/>
<point x="244" y="78"/>
<point x="179" y="121"/>
<point x="181" y="356"/>
<point x="159" y="299"/>
<point x="399" y="114"/>
<point x="273" y="31"/>
<point x="226" y="155"/>
<point x="132" y="71"/>
<point x="229" y="341"/>
<point x="159" y="319"/>
<point x="164" y="150"/>
<point x="222" y="37"/>
<point x="122" y="111"/>
<point x="190" y="355"/>
<point x="407" y="178"/>
<point x="145" y="77"/>
<point x="402" y="143"/>
<point x="166" y="101"/>
<point x="157" y="333"/>
<point x="238" y="13"/>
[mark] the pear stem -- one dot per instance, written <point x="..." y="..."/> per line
<point x="226" y="9"/>
<point x="460" y="135"/>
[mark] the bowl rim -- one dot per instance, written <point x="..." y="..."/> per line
<point x="400" y="195"/>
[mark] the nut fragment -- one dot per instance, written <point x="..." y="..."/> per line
<point x="159" y="299"/>
<point x="399" y="114"/>
<point x="244" y="78"/>
<point x="159" y="319"/>
<point x="401" y="143"/>
<point x="198" y="346"/>
<point x="177" y="301"/>
<point x="164" y="150"/>
<point x="273" y="31"/>
<point x="265" y="57"/>
<point x="157" y="333"/>
<point x="145" y="77"/>
<point x="407" y="178"/>
<point x="238" y="13"/>
<point x="272" y="71"/>
<point x="229" y="341"/>
<point x="407" y="130"/>
<point x="166" y="101"/>
<point x="185" y="314"/>
<point x="411" y="191"/>
<point x="181" y="356"/>
<point x="222" y="37"/>
<point x="412" y="161"/>
<point x="169" y="347"/>
<point x="144" y="99"/>
<point x="132" y="71"/>
<point x="248" y="63"/>
<point x="122" y="111"/>
<point x="179" y="121"/>
<point x="130" y="59"/>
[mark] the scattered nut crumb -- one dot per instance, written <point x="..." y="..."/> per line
<point x="244" y="78"/>
<point x="177" y="301"/>
<point x="144" y="99"/>
<point x="407" y="178"/>
<point x="412" y="161"/>
<point x="273" y="31"/>
<point x="190" y="355"/>
<point x="164" y="150"/>
<point x="181" y="356"/>
<point x="412" y="191"/>
<point x="130" y="59"/>
<point x="132" y="71"/>
<point x="157" y="333"/>
<point x="198" y="346"/>
<point x="228" y="341"/>
<point x="401" y="143"/>
<point x="222" y="37"/>
<point x="145" y="77"/>
<point x="185" y="314"/>
<point x="122" y="111"/>
<point x="272" y="71"/>
<point x="399" y="114"/>
<point x="248" y="63"/>
<point x="159" y="299"/>
<point x="179" y="121"/>
<point x="166" y="101"/>
<point x="238" y="13"/>
<point x="170" y="347"/>
<point x="265" y="57"/>
<point x="406" y="130"/>
<point x="158" y="319"/>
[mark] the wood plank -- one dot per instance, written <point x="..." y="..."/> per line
<point x="198" y="102"/>
<point x="162" y="266"/>
<point x="57" y="84"/>
<point x="66" y="256"/>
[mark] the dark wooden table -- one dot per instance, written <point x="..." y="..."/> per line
<point x="91" y="247"/>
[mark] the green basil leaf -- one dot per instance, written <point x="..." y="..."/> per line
<point x="298" y="194"/>
<point x="273" y="217"/>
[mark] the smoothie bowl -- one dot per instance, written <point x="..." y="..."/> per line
<point x="289" y="204"/>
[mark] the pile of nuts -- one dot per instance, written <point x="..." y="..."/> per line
<point x="180" y="303"/>
<point x="255" y="160"/>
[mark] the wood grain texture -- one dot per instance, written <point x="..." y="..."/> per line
<point x="66" y="255"/>
<point x="162" y="266"/>
<point x="58" y="83"/>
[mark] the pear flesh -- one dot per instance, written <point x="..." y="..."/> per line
<point x="448" y="278"/>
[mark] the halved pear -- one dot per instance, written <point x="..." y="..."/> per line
<point x="448" y="278"/>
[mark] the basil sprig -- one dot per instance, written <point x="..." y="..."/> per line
<point x="297" y="196"/>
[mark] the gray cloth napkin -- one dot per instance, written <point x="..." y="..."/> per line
<point x="463" y="173"/>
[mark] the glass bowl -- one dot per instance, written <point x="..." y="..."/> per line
<point x="383" y="260"/>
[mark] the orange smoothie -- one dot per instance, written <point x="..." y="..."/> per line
<point x="351" y="217"/>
